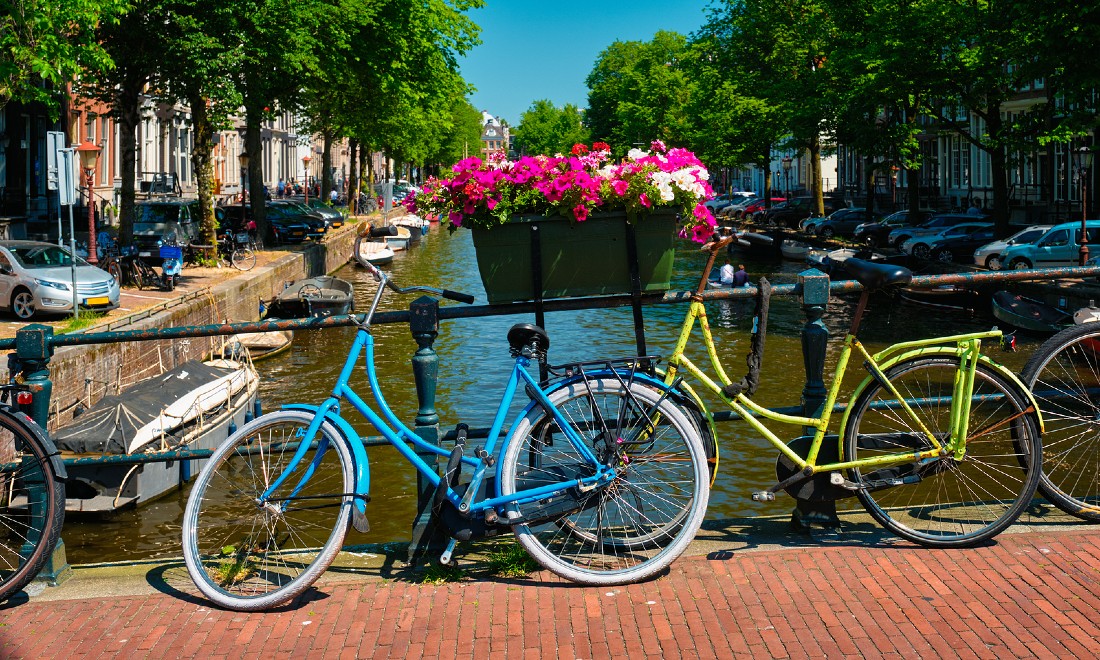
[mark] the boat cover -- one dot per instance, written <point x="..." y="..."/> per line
<point x="154" y="408"/>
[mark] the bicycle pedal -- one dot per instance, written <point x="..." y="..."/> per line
<point x="763" y="496"/>
<point x="837" y="479"/>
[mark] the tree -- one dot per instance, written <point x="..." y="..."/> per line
<point x="546" y="129"/>
<point x="49" y="41"/>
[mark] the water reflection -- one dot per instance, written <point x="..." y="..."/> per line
<point x="474" y="363"/>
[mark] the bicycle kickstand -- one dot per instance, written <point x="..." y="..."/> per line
<point x="446" y="557"/>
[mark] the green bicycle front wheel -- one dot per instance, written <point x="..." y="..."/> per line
<point x="946" y="501"/>
<point x="247" y="553"/>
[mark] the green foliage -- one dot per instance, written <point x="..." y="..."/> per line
<point x="82" y="321"/>
<point x="508" y="559"/>
<point x="50" y="40"/>
<point x="438" y="574"/>
<point x="546" y="129"/>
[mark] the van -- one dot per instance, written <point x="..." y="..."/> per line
<point x="1059" y="247"/>
<point x="174" y="219"/>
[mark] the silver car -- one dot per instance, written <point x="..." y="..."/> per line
<point x="38" y="277"/>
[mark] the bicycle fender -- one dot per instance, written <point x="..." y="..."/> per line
<point x="948" y="352"/>
<point x="22" y="420"/>
<point x="359" y="454"/>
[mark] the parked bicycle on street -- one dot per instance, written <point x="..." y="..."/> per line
<point x="940" y="444"/>
<point x="602" y="477"/>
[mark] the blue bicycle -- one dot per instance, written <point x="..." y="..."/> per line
<point x="603" y="477"/>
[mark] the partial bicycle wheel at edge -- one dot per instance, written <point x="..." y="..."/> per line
<point x="249" y="555"/>
<point x="32" y="507"/>
<point x="631" y="528"/>
<point x="945" y="501"/>
<point x="1064" y="377"/>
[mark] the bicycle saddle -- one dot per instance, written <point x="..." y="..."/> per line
<point x="876" y="276"/>
<point x="523" y="335"/>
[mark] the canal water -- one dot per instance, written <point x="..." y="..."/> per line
<point x="474" y="363"/>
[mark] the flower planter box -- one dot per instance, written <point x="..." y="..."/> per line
<point x="578" y="259"/>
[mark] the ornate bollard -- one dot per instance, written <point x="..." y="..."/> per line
<point x="424" y="325"/>
<point x="817" y="507"/>
<point x="33" y="351"/>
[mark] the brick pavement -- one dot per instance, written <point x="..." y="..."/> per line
<point x="1027" y="595"/>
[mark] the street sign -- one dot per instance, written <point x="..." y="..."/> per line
<point x="55" y="142"/>
<point x="66" y="177"/>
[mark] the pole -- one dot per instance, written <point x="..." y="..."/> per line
<point x="1084" y="253"/>
<point x="92" y="258"/>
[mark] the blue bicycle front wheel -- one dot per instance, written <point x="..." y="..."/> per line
<point x="248" y="553"/>
<point x="629" y="528"/>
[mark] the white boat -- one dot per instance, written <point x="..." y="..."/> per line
<point x="194" y="406"/>
<point x="378" y="253"/>
<point x="794" y="250"/>
<point x="417" y="226"/>
<point x="257" y="345"/>
<point x="401" y="240"/>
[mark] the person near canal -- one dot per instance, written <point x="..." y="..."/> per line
<point x="726" y="274"/>
<point x="740" y="278"/>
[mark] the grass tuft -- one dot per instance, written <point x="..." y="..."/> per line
<point x="508" y="559"/>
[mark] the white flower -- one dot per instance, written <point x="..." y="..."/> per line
<point x="666" y="192"/>
<point x="636" y="154"/>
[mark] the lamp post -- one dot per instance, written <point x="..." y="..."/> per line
<point x="1084" y="157"/>
<point x="305" y="175"/>
<point x="787" y="174"/>
<point x="89" y="154"/>
<point x="243" y="158"/>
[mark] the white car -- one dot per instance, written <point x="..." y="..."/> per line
<point x="920" y="246"/>
<point x="38" y="277"/>
<point x="989" y="255"/>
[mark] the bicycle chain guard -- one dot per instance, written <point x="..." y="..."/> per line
<point x="817" y="488"/>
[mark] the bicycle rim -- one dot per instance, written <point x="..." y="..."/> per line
<point x="945" y="501"/>
<point x="32" y="508"/>
<point x="243" y="259"/>
<point x="246" y="555"/>
<point x="1064" y="377"/>
<point x="624" y="531"/>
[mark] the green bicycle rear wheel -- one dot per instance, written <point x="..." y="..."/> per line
<point x="947" y="501"/>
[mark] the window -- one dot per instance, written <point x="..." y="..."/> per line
<point x="1055" y="238"/>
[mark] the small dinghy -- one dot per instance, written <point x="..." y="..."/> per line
<point x="1029" y="314"/>
<point x="375" y="252"/>
<point x="794" y="250"/>
<point x="320" y="296"/>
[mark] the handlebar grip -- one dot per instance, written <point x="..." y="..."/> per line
<point x="459" y="297"/>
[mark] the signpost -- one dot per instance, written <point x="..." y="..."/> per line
<point x="60" y="177"/>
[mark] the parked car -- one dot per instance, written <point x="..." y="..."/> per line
<point x="921" y="246"/>
<point x="1060" y="246"/>
<point x="843" y="222"/>
<point x="334" y="217"/>
<point x="38" y="277"/>
<point x="314" y="218"/>
<point x="799" y="208"/>
<point x="959" y="246"/>
<point x="734" y="210"/>
<point x="157" y="219"/>
<point x="989" y="255"/>
<point x="727" y="199"/>
<point x="286" y="229"/>
<point x="877" y="233"/>
<point x="933" y="225"/>
<point x="758" y="206"/>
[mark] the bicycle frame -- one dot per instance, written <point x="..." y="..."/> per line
<point x="405" y="440"/>
<point x="966" y="350"/>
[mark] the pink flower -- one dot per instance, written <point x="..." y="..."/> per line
<point x="701" y="233"/>
<point x="620" y="187"/>
<point x="645" y="201"/>
<point x="580" y="212"/>
<point x="455" y="217"/>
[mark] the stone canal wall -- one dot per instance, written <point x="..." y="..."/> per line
<point x="82" y="375"/>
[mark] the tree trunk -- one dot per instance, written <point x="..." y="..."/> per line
<point x="128" y="113"/>
<point x="353" y="177"/>
<point x="998" y="170"/>
<point x="869" y="173"/>
<point x="254" y="147"/>
<point x="326" y="166"/>
<point x="203" y="164"/>
<point x="815" y="175"/>
<point x="368" y="168"/>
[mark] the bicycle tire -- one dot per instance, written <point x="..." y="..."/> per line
<point x="247" y="556"/>
<point x="1064" y="377"/>
<point x="115" y="270"/>
<point x="142" y="274"/>
<point x="624" y="531"/>
<point x="32" y="506"/>
<point x="945" y="502"/>
<point x="243" y="258"/>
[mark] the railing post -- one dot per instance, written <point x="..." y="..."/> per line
<point x="32" y="358"/>
<point x="814" y="287"/>
<point x="424" y="324"/>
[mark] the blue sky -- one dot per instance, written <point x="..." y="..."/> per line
<point x="533" y="49"/>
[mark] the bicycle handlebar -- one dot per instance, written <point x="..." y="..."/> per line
<point x="384" y="281"/>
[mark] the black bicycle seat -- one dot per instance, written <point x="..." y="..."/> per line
<point x="876" y="276"/>
<point x="522" y="334"/>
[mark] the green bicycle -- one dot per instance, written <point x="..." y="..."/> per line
<point x="941" y="445"/>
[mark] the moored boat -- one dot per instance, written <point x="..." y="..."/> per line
<point x="194" y="406"/>
<point x="1029" y="314"/>
<point x="319" y="296"/>
<point x="401" y="240"/>
<point x="375" y="252"/>
<point x="257" y="345"/>
<point x="794" y="250"/>
<point x="947" y="296"/>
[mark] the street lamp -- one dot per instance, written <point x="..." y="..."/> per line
<point x="1084" y="157"/>
<point x="243" y="158"/>
<point x="305" y="175"/>
<point x="89" y="154"/>
<point x="787" y="174"/>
